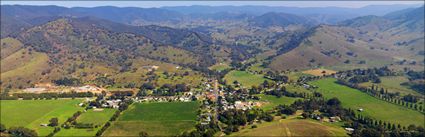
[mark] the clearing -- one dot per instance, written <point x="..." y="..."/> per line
<point x="246" y="79"/>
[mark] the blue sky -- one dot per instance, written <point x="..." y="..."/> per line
<point x="149" y="4"/>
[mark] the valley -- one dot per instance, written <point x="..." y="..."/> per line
<point x="227" y="71"/>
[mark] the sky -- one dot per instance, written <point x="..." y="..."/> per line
<point x="157" y="4"/>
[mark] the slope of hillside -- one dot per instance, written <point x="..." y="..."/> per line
<point x="23" y="68"/>
<point x="367" y="41"/>
<point x="281" y="19"/>
<point x="342" y="46"/>
<point x="9" y="46"/>
<point x="73" y="48"/>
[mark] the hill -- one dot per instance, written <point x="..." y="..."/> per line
<point x="388" y="41"/>
<point x="72" y="47"/>
<point x="281" y="19"/>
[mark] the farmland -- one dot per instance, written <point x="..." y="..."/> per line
<point x="272" y="101"/>
<point x="98" y="118"/>
<point x="373" y="107"/>
<point x="157" y="119"/>
<point x="246" y="79"/>
<point x="219" y="67"/>
<point x="32" y="113"/>
<point x="319" y="72"/>
<point x="393" y="85"/>
<point x="291" y="127"/>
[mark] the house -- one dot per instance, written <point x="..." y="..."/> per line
<point x="97" y="109"/>
<point x="350" y="130"/>
<point x="306" y="86"/>
<point x="112" y="103"/>
<point x="151" y="68"/>
<point x="360" y="109"/>
<point x="44" y="125"/>
<point x="334" y="119"/>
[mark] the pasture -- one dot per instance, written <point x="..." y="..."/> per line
<point x="98" y="118"/>
<point x="291" y="127"/>
<point x="393" y="84"/>
<point x="246" y="79"/>
<point x="296" y="89"/>
<point x="32" y="113"/>
<point x="157" y="119"/>
<point x="219" y="67"/>
<point x="373" y="107"/>
<point x="319" y="72"/>
<point x="271" y="101"/>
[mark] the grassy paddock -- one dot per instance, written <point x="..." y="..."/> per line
<point x="373" y="107"/>
<point x="319" y="72"/>
<point x="273" y="101"/>
<point x="292" y="127"/>
<point x="95" y="117"/>
<point x="393" y="84"/>
<point x="32" y="113"/>
<point x="157" y="119"/>
<point x="245" y="78"/>
<point x="219" y="67"/>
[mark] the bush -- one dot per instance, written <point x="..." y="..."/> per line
<point x="143" y="134"/>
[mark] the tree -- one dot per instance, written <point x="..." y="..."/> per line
<point x="2" y="128"/>
<point x="370" y="132"/>
<point x="148" y="86"/>
<point x="334" y="102"/>
<point x="54" y="122"/>
<point x="286" y="110"/>
<point x="22" y="132"/>
<point x="143" y="134"/>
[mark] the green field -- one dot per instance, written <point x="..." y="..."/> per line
<point x="393" y="84"/>
<point x="246" y="79"/>
<point x="32" y="113"/>
<point x="293" y="127"/>
<point x="373" y="107"/>
<point x="271" y="101"/>
<point x="219" y="67"/>
<point x="95" y="117"/>
<point x="296" y="89"/>
<point x="157" y="119"/>
<point x="294" y="76"/>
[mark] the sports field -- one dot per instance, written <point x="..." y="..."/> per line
<point x="246" y="79"/>
<point x="157" y="119"/>
<point x="270" y="101"/>
<point x="98" y="118"/>
<point x="32" y="113"/>
<point x="293" y="127"/>
<point x="373" y="107"/>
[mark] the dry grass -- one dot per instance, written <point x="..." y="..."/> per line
<point x="319" y="72"/>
